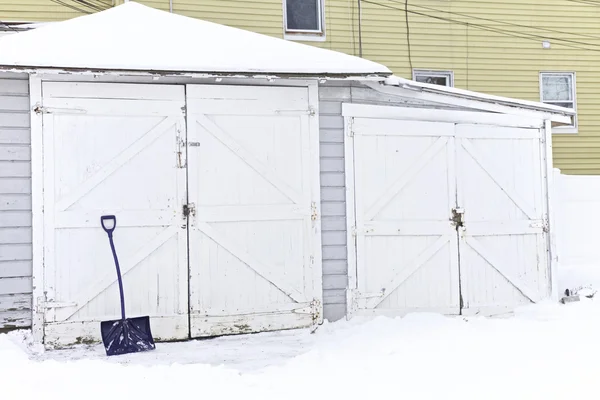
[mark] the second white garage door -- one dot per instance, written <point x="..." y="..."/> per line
<point x="254" y="239"/>
<point x="447" y="213"/>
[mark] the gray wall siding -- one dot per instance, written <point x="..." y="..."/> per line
<point x="333" y="200"/>
<point x="333" y="188"/>
<point x="15" y="202"/>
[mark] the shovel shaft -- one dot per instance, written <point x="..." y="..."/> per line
<point x="109" y="231"/>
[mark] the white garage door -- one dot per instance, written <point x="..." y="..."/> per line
<point x="445" y="216"/>
<point x="112" y="149"/>
<point x="234" y="185"/>
<point x="254" y="238"/>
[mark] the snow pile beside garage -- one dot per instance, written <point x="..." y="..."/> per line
<point x="135" y="37"/>
<point x="546" y="351"/>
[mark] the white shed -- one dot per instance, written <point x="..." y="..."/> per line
<point x="258" y="184"/>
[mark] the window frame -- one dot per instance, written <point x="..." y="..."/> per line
<point x="305" y="34"/>
<point x="568" y="129"/>
<point x="449" y="74"/>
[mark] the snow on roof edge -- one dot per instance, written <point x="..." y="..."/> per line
<point x="394" y="80"/>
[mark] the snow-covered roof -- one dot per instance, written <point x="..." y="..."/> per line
<point x="453" y="94"/>
<point x="133" y="37"/>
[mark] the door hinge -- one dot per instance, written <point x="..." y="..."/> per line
<point x="189" y="209"/>
<point x="313" y="211"/>
<point x="57" y="304"/>
<point x="540" y="224"/>
<point x="350" y="127"/>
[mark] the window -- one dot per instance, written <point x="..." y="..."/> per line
<point x="443" y="78"/>
<point x="558" y="88"/>
<point x="303" y="18"/>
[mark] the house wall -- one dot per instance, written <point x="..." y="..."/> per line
<point x="15" y="202"/>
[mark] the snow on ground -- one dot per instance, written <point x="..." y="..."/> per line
<point x="544" y="351"/>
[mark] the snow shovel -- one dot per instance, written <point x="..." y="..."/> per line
<point x="125" y="335"/>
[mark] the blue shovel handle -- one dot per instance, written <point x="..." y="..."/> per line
<point x="109" y="230"/>
<point x="104" y="219"/>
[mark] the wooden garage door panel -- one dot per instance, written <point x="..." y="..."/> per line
<point x="503" y="247"/>
<point x="252" y="245"/>
<point x="412" y="273"/>
<point x="97" y="162"/>
<point x="101" y="142"/>
<point x="404" y="186"/>
<point x="242" y="179"/>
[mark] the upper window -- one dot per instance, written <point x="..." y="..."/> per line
<point x="558" y="88"/>
<point x="303" y="17"/>
<point x="443" y="78"/>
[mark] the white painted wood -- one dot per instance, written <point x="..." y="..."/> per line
<point x="503" y="247"/>
<point x="15" y="199"/>
<point x="251" y="267"/>
<point x="471" y="100"/>
<point x="18" y="285"/>
<point x="100" y="162"/>
<point x="550" y="207"/>
<point x="16" y="268"/>
<point x="405" y="178"/>
<point x="37" y="208"/>
<point x="15" y="302"/>
<point x="402" y="191"/>
<point x="435" y="115"/>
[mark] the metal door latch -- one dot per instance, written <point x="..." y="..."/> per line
<point x="189" y="209"/>
<point x="457" y="217"/>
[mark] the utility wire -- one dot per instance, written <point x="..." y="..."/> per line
<point x="504" y="22"/>
<point x="9" y="26"/>
<point x="518" y="25"/>
<point x="90" y="5"/>
<point x="484" y="27"/>
<point x="408" y="36"/>
<point x="72" y="7"/>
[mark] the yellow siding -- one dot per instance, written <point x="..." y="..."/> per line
<point x="497" y="62"/>
<point x="482" y="60"/>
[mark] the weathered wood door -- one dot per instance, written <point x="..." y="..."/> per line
<point x="404" y="191"/>
<point x="253" y="184"/>
<point x="503" y="244"/>
<point x="447" y="212"/>
<point x="113" y="149"/>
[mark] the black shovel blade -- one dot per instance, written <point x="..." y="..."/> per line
<point x="129" y="335"/>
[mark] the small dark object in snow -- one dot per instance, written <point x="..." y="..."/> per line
<point x="125" y="335"/>
<point x="570" y="299"/>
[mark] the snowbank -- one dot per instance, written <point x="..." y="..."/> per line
<point x="545" y="351"/>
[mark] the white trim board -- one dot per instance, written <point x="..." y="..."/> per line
<point x="472" y="100"/>
<point x="435" y="115"/>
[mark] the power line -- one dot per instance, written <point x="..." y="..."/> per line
<point x="72" y="7"/>
<point x="508" y="23"/>
<point x="504" y="22"/>
<point x="90" y="5"/>
<point x="408" y="35"/>
<point x="483" y="27"/>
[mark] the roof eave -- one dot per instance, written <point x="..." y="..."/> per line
<point x="358" y="76"/>
<point x="475" y="100"/>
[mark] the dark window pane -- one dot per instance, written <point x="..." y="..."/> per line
<point x="302" y="15"/>
<point x="566" y="105"/>
<point x="436" y="80"/>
